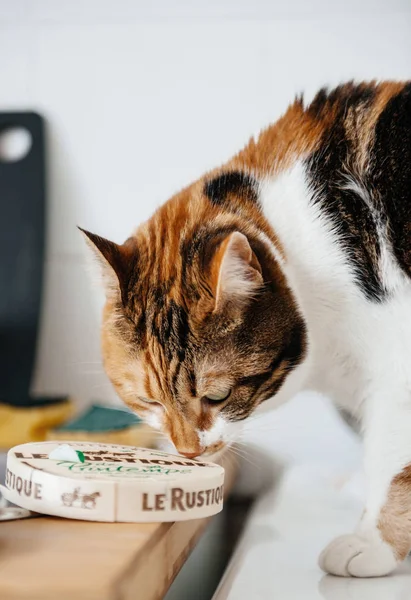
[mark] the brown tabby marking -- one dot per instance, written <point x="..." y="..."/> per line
<point x="396" y="515"/>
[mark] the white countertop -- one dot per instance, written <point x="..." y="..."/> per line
<point x="315" y="498"/>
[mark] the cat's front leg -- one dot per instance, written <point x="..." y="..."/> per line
<point x="383" y="536"/>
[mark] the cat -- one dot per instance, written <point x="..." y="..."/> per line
<point x="287" y="268"/>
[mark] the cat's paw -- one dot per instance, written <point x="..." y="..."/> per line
<point x="355" y="556"/>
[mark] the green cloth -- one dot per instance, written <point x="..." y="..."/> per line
<point x="101" y="418"/>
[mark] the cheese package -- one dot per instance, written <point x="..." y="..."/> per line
<point x="107" y="482"/>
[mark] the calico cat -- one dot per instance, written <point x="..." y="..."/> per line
<point x="287" y="268"/>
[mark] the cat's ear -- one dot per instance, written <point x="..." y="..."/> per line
<point x="115" y="261"/>
<point x="235" y="272"/>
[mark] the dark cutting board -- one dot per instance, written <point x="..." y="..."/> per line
<point x="22" y="233"/>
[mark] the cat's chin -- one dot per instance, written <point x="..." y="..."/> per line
<point x="213" y="455"/>
<point x="213" y="452"/>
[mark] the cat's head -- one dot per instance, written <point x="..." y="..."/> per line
<point x="200" y="325"/>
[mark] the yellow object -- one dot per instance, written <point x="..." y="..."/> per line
<point x="19" y="425"/>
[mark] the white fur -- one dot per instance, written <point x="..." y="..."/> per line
<point x="213" y="435"/>
<point x="359" y="352"/>
<point x="352" y="555"/>
<point x="154" y="419"/>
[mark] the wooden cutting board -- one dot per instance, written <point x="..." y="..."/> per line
<point x="48" y="558"/>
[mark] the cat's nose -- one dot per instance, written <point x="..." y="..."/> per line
<point x="189" y="454"/>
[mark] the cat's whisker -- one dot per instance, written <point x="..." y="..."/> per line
<point x="244" y="457"/>
<point x="240" y="447"/>
<point x="232" y="459"/>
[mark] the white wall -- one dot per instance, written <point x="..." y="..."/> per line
<point x="141" y="97"/>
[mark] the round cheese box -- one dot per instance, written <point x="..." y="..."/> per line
<point x="106" y="482"/>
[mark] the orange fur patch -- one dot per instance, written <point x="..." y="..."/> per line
<point x="295" y="135"/>
<point x="395" y="518"/>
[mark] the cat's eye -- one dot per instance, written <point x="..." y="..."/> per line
<point x="217" y="398"/>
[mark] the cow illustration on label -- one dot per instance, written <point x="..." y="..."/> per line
<point x="76" y="499"/>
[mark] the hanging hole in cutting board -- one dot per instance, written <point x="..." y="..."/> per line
<point x="15" y="144"/>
